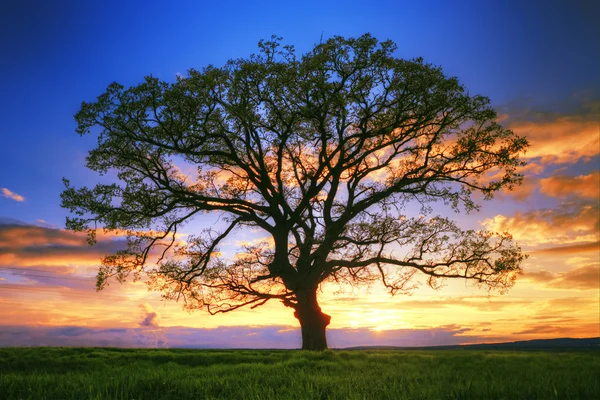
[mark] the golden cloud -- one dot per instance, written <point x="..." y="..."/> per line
<point x="582" y="278"/>
<point x="29" y="245"/>
<point x="582" y="186"/>
<point x="523" y="191"/>
<point x="566" y="224"/>
<point x="572" y="249"/>
<point x="574" y="331"/>
<point x="12" y="195"/>
<point x="563" y="140"/>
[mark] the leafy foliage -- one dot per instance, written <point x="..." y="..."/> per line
<point x="322" y="153"/>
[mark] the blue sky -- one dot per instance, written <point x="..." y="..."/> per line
<point x="57" y="54"/>
<point x="538" y="61"/>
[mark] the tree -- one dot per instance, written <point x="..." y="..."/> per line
<point x="321" y="153"/>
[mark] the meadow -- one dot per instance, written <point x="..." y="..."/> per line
<point x="107" y="373"/>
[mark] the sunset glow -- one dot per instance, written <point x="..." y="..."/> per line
<point x="545" y="87"/>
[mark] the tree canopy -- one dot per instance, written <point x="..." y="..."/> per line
<point x="322" y="153"/>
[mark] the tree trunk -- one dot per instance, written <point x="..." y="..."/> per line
<point x="313" y="322"/>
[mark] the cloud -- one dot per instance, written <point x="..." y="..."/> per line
<point x="572" y="249"/>
<point x="278" y="337"/>
<point x="582" y="330"/>
<point x="568" y="223"/>
<point x="30" y="245"/>
<point x="150" y="318"/>
<point x="11" y="195"/>
<point x="565" y="140"/>
<point x="445" y="335"/>
<point x="570" y="303"/>
<point x="151" y="334"/>
<point x="524" y="190"/>
<point x="557" y="186"/>
<point x="582" y="186"/>
<point x="480" y="303"/>
<point x="50" y="262"/>
<point x="582" y="278"/>
<point x="48" y="278"/>
<point x="539" y="276"/>
<point x="557" y="138"/>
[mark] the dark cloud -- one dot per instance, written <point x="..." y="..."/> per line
<point x="69" y="331"/>
<point x="283" y="337"/>
<point x="150" y="317"/>
<point x="398" y="337"/>
<point x="566" y="136"/>
<point x="26" y="245"/>
<point x="45" y="259"/>
<point x="55" y="277"/>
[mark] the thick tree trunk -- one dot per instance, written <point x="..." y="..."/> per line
<point x="313" y="322"/>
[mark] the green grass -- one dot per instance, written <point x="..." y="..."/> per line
<point x="94" y="373"/>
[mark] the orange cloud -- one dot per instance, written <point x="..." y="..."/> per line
<point x="527" y="187"/>
<point x="12" y="195"/>
<point x="562" y="140"/>
<point x="566" y="224"/>
<point x="583" y="278"/>
<point x="523" y="191"/>
<point x="582" y="186"/>
<point x="548" y="331"/>
<point x="29" y="245"/>
<point x="572" y="249"/>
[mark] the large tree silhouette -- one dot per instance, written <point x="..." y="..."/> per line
<point x="322" y="153"/>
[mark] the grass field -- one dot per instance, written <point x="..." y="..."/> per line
<point x="98" y="373"/>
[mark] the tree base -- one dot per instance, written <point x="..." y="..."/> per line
<point x="313" y="322"/>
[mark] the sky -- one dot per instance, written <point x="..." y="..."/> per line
<point x="537" y="61"/>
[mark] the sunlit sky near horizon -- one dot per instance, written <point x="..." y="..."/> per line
<point x="537" y="61"/>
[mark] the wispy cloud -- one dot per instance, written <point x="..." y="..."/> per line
<point x="570" y="223"/>
<point x="12" y="195"/>
<point x="30" y="245"/>
<point x="544" y="329"/>
<point x="564" y="140"/>
<point x="557" y="138"/>
<point x="572" y="249"/>
<point x="583" y="278"/>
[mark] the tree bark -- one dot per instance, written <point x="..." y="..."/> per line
<point x="313" y="322"/>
